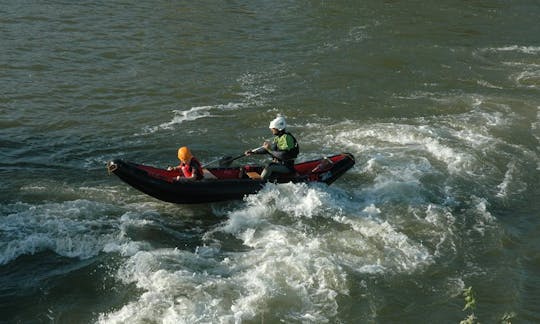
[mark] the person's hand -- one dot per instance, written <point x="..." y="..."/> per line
<point x="170" y="168"/>
<point x="248" y="153"/>
<point x="266" y="145"/>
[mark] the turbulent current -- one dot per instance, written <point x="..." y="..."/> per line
<point x="439" y="103"/>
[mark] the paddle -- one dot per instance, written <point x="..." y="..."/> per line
<point x="227" y="160"/>
<point x="214" y="161"/>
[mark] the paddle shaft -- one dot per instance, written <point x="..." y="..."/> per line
<point x="214" y="161"/>
<point x="229" y="160"/>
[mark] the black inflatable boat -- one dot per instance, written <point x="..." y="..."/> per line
<point x="223" y="183"/>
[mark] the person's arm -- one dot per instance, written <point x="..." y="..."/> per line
<point x="261" y="150"/>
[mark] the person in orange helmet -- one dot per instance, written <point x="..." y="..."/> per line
<point x="189" y="165"/>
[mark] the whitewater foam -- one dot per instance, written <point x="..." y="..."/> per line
<point x="410" y="137"/>
<point x="508" y="177"/>
<point x="482" y="217"/>
<point x="194" y="113"/>
<point x="70" y="229"/>
<point x="291" y="263"/>
<point x="300" y="244"/>
<point x="514" y="48"/>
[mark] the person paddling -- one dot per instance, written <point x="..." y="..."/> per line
<point x="189" y="165"/>
<point x="283" y="149"/>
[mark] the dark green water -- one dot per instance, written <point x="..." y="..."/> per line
<point x="440" y="104"/>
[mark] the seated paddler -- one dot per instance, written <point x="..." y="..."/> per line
<point x="189" y="166"/>
<point x="283" y="149"/>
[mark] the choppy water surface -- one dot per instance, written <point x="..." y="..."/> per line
<point x="440" y="104"/>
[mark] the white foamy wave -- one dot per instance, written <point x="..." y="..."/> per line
<point x="200" y="287"/>
<point x="508" y="177"/>
<point x="181" y="116"/>
<point x="482" y="217"/>
<point x="457" y="140"/>
<point x="301" y="244"/>
<point x="440" y="228"/>
<point x="521" y="64"/>
<point x="179" y="287"/>
<point x="70" y="229"/>
<point x="486" y="84"/>
<point x="410" y="138"/>
<point x="374" y="244"/>
<point x="514" y="48"/>
<point x="263" y="230"/>
<point x="535" y="129"/>
<point x="527" y="79"/>
<point x="292" y="270"/>
<point x="524" y="73"/>
<point x="512" y="183"/>
<point x="126" y="248"/>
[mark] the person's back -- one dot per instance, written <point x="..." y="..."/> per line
<point x="285" y="148"/>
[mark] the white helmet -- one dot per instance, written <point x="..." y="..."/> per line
<point x="278" y="123"/>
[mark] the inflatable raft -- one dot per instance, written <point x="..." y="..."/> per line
<point x="223" y="183"/>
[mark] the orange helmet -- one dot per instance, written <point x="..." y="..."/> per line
<point x="184" y="154"/>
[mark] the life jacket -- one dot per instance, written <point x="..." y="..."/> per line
<point x="193" y="166"/>
<point x="296" y="149"/>
<point x="287" y="156"/>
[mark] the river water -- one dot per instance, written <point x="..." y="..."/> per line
<point x="439" y="103"/>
